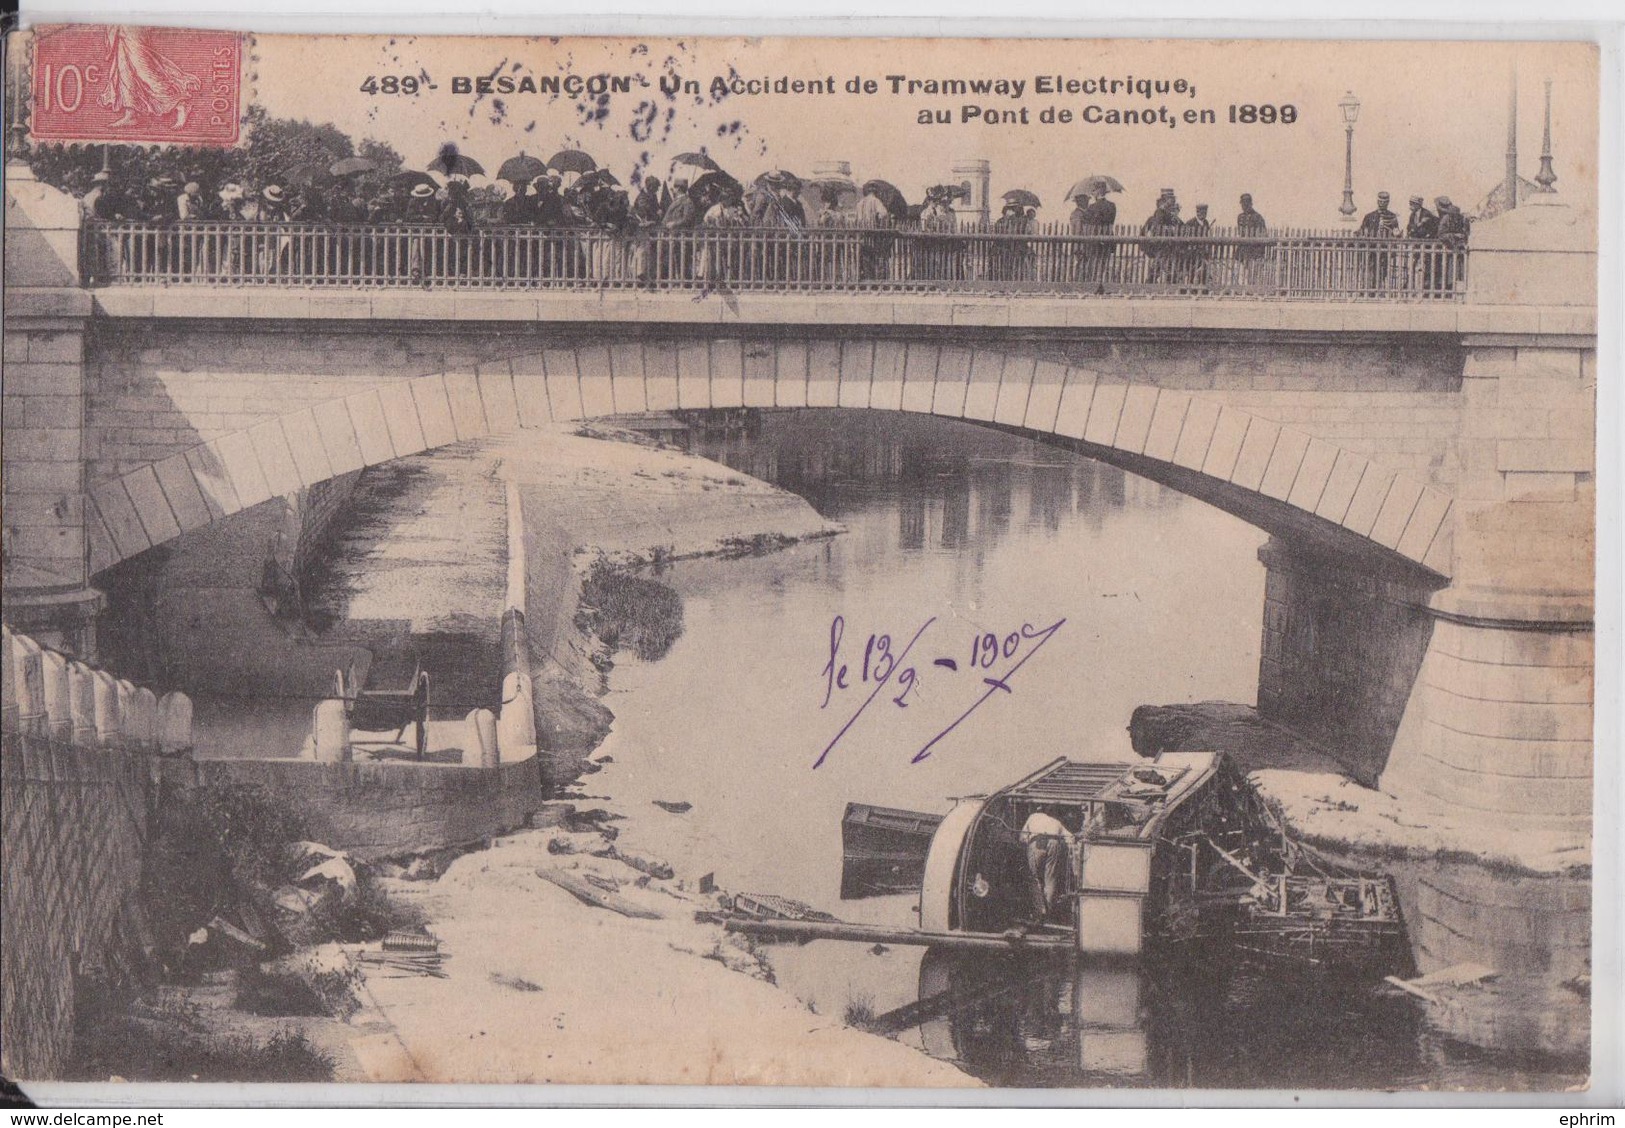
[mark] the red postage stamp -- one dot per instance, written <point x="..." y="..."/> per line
<point x="137" y="85"/>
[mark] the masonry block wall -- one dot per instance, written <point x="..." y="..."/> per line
<point x="1501" y="719"/>
<point x="42" y="410"/>
<point x="1539" y="931"/>
<point x="1340" y="654"/>
<point x="75" y="823"/>
<point x="44" y="445"/>
<point x="157" y="390"/>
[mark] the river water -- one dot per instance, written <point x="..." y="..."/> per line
<point x="1140" y="595"/>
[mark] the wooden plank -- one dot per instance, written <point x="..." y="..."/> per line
<point x="880" y="934"/>
<point x="594" y="896"/>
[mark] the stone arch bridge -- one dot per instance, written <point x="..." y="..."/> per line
<point x="1425" y="472"/>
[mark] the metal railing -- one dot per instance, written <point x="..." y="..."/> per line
<point x="1296" y="265"/>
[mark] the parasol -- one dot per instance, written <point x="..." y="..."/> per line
<point x="709" y="186"/>
<point x="888" y="195"/>
<point x="522" y="169"/>
<point x="597" y="178"/>
<point x="698" y="160"/>
<point x="1094" y="185"/>
<point x="571" y="160"/>
<point x="410" y="179"/>
<point x="351" y="166"/>
<point x="1022" y="198"/>
<point x="449" y="162"/>
<point x="304" y="174"/>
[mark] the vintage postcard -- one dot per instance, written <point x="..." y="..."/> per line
<point x="827" y="562"/>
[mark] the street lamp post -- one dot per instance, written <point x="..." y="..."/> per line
<point x="1349" y="107"/>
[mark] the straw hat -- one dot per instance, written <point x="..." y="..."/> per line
<point x="274" y="193"/>
<point x="422" y="191"/>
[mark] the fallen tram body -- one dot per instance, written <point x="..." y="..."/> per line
<point x="1179" y="852"/>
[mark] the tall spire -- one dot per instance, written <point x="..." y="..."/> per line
<point x="1546" y="177"/>
<point x="1512" y="141"/>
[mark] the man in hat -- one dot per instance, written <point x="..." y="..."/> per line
<point x="787" y="209"/>
<point x="937" y="215"/>
<point x="1163" y="221"/>
<point x="273" y="204"/>
<point x="874" y="252"/>
<point x="1422" y="225"/>
<point x="189" y="208"/>
<point x="1453" y="231"/>
<point x="272" y="252"/>
<point x="419" y="208"/>
<point x="1250" y="256"/>
<point x="1084" y="254"/>
<point x="98" y="203"/>
<point x="682" y="212"/>
<point x="1194" y="259"/>
<point x="158" y="201"/>
<point x="519" y="207"/>
<point x="549" y="207"/>
<point x="1095" y="217"/>
<point x="717" y="259"/>
<point x="1379" y="223"/>
<point x="95" y="202"/>
<point x="650" y="206"/>
<point x="936" y="259"/>
<point x="1453" y="225"/>
<point x="421" y="205"/>
<point x="1011" y="259"/>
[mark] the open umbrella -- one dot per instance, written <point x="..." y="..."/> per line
<point x="449" y="162"/>
<point x="410" y="179"/>
<point x="351" y="166"/>
<point x="1022" y="198"/>
<point x="708" y="187"/>
<point x="522" y="169"/>
<point x="889" y="196"/>
<point x="1094" y="185"/>
<point x="571" y="160"/>
<point x="597" y="178"/>
<point x="698" y="160"/>
<point x="304" y="174"/>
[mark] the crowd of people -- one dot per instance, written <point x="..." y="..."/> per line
<point x="567" y="209"/>
<point x="1430" y="270"/>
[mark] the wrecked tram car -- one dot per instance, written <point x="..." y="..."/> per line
<point x="1180" y="851"/>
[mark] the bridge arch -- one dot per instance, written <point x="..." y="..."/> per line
<point x="1284" y="480"/>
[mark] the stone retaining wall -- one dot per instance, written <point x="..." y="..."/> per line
<point x="382" y="809"/>
<point x="75" y="828"/>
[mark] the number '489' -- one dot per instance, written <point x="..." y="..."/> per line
<point x="390" y="84"/>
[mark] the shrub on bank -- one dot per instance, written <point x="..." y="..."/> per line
<point x="630" y="612"/>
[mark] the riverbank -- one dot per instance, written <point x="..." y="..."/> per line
<point x="540" y="986"/>
<point x="594" y="496"/>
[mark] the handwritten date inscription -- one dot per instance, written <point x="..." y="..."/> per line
<point x="882" y="667"/>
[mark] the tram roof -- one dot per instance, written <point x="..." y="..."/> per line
<point x="1075" y="781"/>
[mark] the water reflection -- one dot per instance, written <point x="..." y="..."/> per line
<point x="953" y="484"/>
<point x="947" y="519"/>
<point x="1046" y="1022"/>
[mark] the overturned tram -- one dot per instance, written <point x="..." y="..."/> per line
<point x="1174" y="853"/>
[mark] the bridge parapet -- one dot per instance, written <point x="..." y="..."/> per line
<point x="1044" y="259"/>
